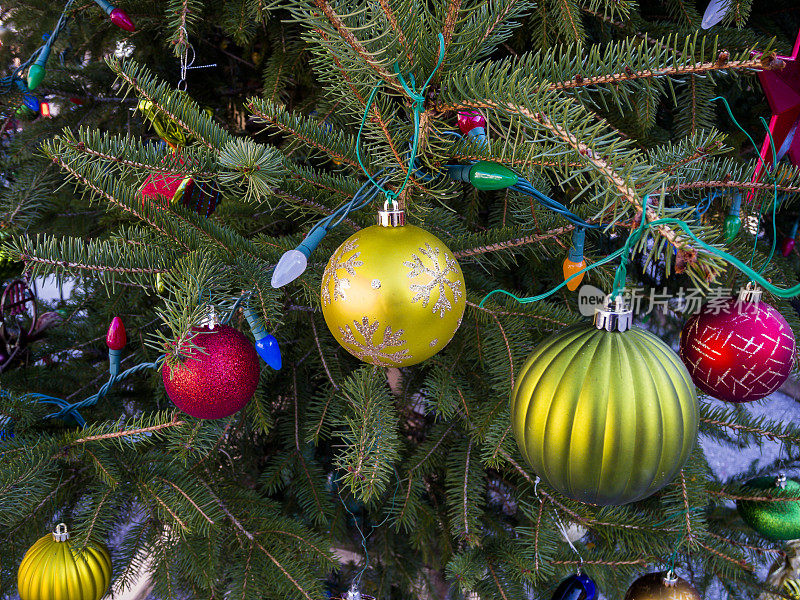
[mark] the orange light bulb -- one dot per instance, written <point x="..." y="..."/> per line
<point x="570" y="268"/>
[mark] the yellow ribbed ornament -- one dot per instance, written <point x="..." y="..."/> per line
<point x="53" y="570"/>
<point x="393" y="295"/>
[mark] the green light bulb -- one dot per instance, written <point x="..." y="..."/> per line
<point x="731" y="227"/>
<point x="35" y="76"/>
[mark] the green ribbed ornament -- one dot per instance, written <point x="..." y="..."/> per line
<point x="605" y="417"/>
<point x="773" y="520"/>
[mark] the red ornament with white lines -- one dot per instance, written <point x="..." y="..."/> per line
<point x="738" y="351"/>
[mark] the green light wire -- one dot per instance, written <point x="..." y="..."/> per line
<point x="621" y="272"/>
<point x="769" y="174"/>
<point x="419" y="108"/>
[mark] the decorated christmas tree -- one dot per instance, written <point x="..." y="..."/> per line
<point x="395" y="299"/>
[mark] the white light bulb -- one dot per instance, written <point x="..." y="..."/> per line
<point x="715" y="12"/>
<point x="289" y="267"/>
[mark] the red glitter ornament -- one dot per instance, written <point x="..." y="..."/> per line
<point x="218" y="381"/>
<point x="738" y="350"/>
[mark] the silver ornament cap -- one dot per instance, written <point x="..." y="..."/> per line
<point x="751" y="293"/>
<point x="614" y="316"/>
<point x="61" y="534"/>
<point x="670" y="579"/>
<point x="391" y="215"/>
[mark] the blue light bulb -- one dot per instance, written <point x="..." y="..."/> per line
<point x="269" y="350"/>
<point x="266" y="344"/>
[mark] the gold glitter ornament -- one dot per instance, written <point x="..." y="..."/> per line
<point x="661" y="586"/>
<point x="393" y="294"/>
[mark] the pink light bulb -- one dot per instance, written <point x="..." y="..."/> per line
<point x="787" y="246"/>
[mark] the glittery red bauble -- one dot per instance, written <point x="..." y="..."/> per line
<point x="738" y="351"/>
<point x="218" y="383"/>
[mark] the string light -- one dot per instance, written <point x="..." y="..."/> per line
<point x="117" y="15"/>
<point x="266" y="344"/>
<point x="733" y="222"/>
<point x="574" y="263"/>
<point x="116" y="338"/>
<point x="294" y="262"/>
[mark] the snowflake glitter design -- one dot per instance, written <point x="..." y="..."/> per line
<point x="369" y="351"/>
<point x="438" y="278"/>
<point x="340" y="284"/>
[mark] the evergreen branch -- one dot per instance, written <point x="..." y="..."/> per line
<point x="28" y="258"/>
<point x="573" y="20"/>
<point x="752" y="498"/>
<point x="687" y="511"/>
<point x="322" y="358"/>
<point x="345" y="74"/>
<point x="139" y="80"/>
<point x="744" y="565"/>
<point x="499" y="19"/>
<point x="189" y="499"/>
<point x="514" y="243"/>
<point x="259" y="111"/>
<point x="777" y="551"/>
<point x="518" y="314"/>
<point x="676" y="70"/>
<point x="453" y="7"/>
<point x="465" y="511"/>
<point x="120" y="160"/>
<point x="113" y="200"/>
<point x="356" y="45"/>
<point x="317" y="549"/>
<point x="392" y="18"/>
<point x="496" y="580"/>
<point x="117" y="434"/>
<point x="256" y="543"/>
<point x="638" y="561"/>
<point x="297" y="448"/>
<point x="100" y="466"/>
<point x="722" y="183"/>
<point x="166" y="507"/>
<point x="519" y="163"/>
<point x="762" y="432"/>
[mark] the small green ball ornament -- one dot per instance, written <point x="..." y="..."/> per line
<point x="605" y="414"/>
<point x="773" y="520"/>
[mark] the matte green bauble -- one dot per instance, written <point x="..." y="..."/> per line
<point x="773" y="520"/>
<point x="605" y="417"/>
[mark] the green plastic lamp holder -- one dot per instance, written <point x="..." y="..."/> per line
<point x="576" y="249"/>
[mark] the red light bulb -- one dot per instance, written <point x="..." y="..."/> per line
<point x="469" y="120"/>
<point x="121" y="20"/>
<point x="116" y="338"/>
